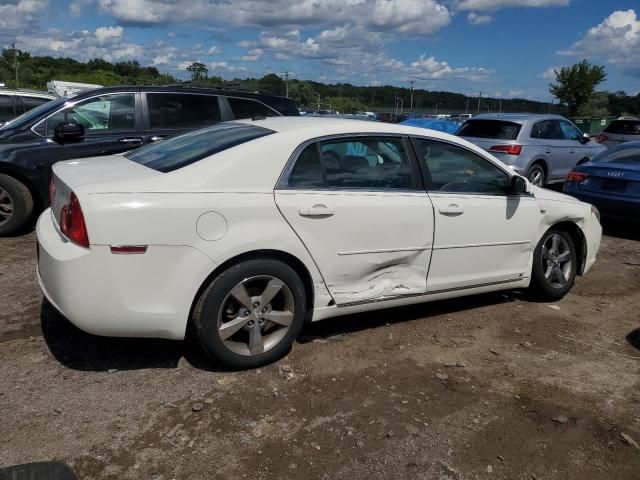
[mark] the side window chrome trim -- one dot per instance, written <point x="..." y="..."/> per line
<point x="282" y="183"/>
<point x="71" y="103"/>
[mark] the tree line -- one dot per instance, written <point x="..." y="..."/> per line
<point x="575" y="88"/>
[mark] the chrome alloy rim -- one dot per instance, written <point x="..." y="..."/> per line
<point x="536" y="177"/>
<point x="255" y="315"/>
<point x="556" y="260"/>
<point x="6" y="206"/>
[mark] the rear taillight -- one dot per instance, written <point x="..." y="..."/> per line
<point x="509" y="149"/>
<point x="72" y="222"/>
<point x="602" y="138"/>
<point x="576" y="176"/>
<point x="52" y="189"/>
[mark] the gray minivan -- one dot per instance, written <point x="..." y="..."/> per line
<point x="544" y="148"/>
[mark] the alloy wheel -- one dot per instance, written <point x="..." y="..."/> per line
<point x="6" y="206"/>
<point x="556" y="260"/>
<point x="536" y="177"/>
<point x="255" y="315"/>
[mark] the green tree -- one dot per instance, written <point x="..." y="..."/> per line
<point x="302" y="93"/>
<point x="272" y="83"/>
<point x="198" y="71"/>
<point x="596" y="106"/>
<point x="576" y="84"/>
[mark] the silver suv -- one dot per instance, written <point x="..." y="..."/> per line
<point x="544" y="148"/>
<point x="14" y="103"/>
<point x="620" y="131"/>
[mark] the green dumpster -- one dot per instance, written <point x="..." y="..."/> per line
<point x="592" y="125"/>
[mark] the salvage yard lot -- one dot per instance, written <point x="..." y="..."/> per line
<point x="490" y="386"/>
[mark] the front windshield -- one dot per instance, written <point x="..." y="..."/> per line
<point x="35" y="113"/>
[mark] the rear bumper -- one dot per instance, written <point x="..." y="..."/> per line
<point x="148" y="295"/>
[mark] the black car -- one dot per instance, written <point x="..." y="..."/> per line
<point x="102" y="122"/>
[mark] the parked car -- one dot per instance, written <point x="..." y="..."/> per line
<point x="103" y="122"/>
<point x="611" y="182"/>
<point x="248" y="229"/>
<point x="544" y="148"/>
<point x="432" y="124"/>
<point x="620" y="131"/>
<point x="14" y="102"/>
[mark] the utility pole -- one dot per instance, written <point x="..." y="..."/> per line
<point x="15" y="62"/>
<point x="479" y="97"/>
<point x="411" y="82"/>
<point x="500" y="107"/>
<point x="318" y="102"/>
<point x="286" y="84"/>
<point x="466" y="110"/>
<point x="373" y="96"/>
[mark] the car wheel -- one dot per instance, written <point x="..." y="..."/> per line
<point x="251" y="313"/>
<point x="536" y="175"/>
<point x="554" y="265"/>
<point x="16" y="205"/>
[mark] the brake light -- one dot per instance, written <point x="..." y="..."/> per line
<point x="576" y="176"/>
<point x="602" y="138"/>
<point x="72" y="222"/>
<point x="52" y="190"/>
<point x="509" y="149"/>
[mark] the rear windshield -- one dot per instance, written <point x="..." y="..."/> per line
<point x="624" y="127"/>
<point x="178" y="152"/>
<point x="490" y="129"/>
<point x="628" y="154"/>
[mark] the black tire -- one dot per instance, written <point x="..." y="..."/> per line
<point x="550" y="289"/>
<point x="215" y="297"/>
<point x="16" y="199"/>
<point x="536" y="175"/>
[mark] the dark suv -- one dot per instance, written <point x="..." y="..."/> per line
<point x="102" y="122"/>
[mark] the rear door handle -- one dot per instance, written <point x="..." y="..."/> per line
<point x="316" y="211"/>
<point x="451" y="209"/>
<point x="131" y="140"/>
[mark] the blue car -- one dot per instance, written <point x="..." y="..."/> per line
<point x="610" y="181"/>
<point x="432" y="124"/>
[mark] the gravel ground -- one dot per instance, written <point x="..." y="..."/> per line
<point x="490" y="386"/>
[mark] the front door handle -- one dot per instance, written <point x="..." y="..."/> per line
<point x="131" y="140"/>
<point x="451" y="209"/>
<point x="316" y="211"/>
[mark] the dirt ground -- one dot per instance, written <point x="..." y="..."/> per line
<point x="491" y="386"/>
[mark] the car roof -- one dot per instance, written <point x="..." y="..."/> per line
<point x="176" y="89"/>
<point x="26" y="93"/>
<point x="518" y="117"/>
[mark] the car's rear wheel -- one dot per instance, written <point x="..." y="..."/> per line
<point x="536" y="175"/>
<point x="554" y="265"/>
<point x="251" y="313"/>
<point x="16" y="205"/>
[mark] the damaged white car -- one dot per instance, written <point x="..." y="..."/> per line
<point x="246" y="230"/>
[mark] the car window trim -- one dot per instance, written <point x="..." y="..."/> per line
<point x="427" y="175"/>
<point x="72" y="103"/>
<point x="416" y="178"/>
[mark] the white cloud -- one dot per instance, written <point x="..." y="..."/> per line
<point x="225" y="68"/>
<point x="253" y="55"/>
<point x="549" y="73"/>
<point x="76" y="6"/>
<point x="20" y="17"/>
<point x="616" y="40"/>
<point x="432" y="69"/>
<point x="213" y="50"/>
<point x="492" y="5"/>
<point x="105" y="34"/>
<point x="474" y="19"/>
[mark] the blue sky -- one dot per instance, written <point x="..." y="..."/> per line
<point x="503" y="48"/>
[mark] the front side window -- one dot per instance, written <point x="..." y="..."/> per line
<point x="182" y="110"/>
<point x="7" y="111"/>
<point x="359" y="163"/>
<point x="547" y="130"/>
<point x="98" y="114"/>
<point x="245" y="108"/>
<point x="452" y="169"/>
<point x="570" y="132"/>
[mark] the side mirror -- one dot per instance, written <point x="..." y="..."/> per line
<point x="585" y="138"/>
<point x="518" y="185"/>
<point x="68" y="132"/>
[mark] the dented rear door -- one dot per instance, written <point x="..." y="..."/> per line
<point x="369" y="243"/>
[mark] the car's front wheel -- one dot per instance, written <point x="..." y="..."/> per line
<point x="251" y="313"/>
<point x="554" y="265"/>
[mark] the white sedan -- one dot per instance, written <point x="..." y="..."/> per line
<point x="247" y="230"/>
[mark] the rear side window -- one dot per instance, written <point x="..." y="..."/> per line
<point x="548" y="130"/>
<point x="623" y="154"/>
<point x="498" y="129"/>
<point x="244" y="108"/>
<point x="30" y="103"/>
<point x="183" y="150"/>
<point x="624" y="127"/>
<point x="7" y="112"/>
<point x="359" y="163"/>
<point x="180" y="110"/>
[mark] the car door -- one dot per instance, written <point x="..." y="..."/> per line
<point x="553" y="145"/>
<point x="483" y="235"/>
<point x="577" y="149"/>
<point x="358" y="206"/>
<point x="172" y="113"/>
